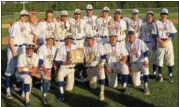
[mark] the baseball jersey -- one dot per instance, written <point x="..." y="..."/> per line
<point x="136" y="50"/>
<point x="77" y="28"/>
<point x="21" y="32"/>
<point x="44" y="28"/>
<point x="102" y="26"/>
<point x="135" y="25"/>
<point x="47" y="55"/>
<point x="61" y="29"/>
<point x="120" y="27"/>
<point x="163" y="28"/>
<point x="90" y="24"/>
<point x="115" y="52"/>
<point x="63" y="53"/>
<point x="146" y="32"/>
<point x="25" y="61"/>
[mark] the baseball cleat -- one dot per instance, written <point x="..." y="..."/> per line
<point x="9" y="96"/>
<point x="146" y="91"/>
<point x="171" y="79"/>
<point x="101" y="96"/>
<point x="160" y="79"/>
<point x="61" y="98"/>
<point x="28" y="104"/>
<point x="45" y="101"/>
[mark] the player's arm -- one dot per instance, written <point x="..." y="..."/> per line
<point x="12" y="47"/>
<point x="145" y="52"/>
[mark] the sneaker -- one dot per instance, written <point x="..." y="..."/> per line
<point x="101" y="96"/>
<point x="61" y="98"/>
<point x="17" y="89"/>
<point x="28" y="104"/>
<point x="171" y="79"/>
<point x="125" y="91"/>
<point x="160" y="79"/>
<point x="146" y="91"/>
<point x="9" y="96"/>
<point x="45" y="101"/>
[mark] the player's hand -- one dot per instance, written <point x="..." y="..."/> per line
<point x="145" y="63"/>
<point x="163" y="44"/>
<point x="100" y="67"/>
<point x="122" y="62"/>
<point x="109" y="70"/>
<point x="14" y="54"/>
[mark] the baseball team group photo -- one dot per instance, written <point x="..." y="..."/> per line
<point x="89" y="54"/>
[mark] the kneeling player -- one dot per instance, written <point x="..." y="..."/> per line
<point x="116" y="62"/>
<point x="138" y="54"/>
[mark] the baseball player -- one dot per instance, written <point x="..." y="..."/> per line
<point x="27" y="65"/>
<point x="102" y="26"/>
<point x="119" y="26"/>
<point x="45" y="27"/>
<point x="16" y="44"/>
<point x="135" y="22"/>
<point x="90" y="20"/>
<point x="46" y="55"/>
<point x="116" y="62"/>
<point x="61" y="28"/>
<point x="138" y="55"/>
<point x="163" y="32"/>
<point x="95" y="59"/>
<point x="66" y="68"/>
<point x="77" y="28"/>
<point x="146" y="36"/>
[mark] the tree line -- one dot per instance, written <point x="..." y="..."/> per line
<point x="10" y="6"/>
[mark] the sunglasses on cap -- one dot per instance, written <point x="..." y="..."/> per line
<point x="30" y="46"/>
<point x="50" y="38"/>
<point x="24" y="15"/>
<point x="63" y="15"/>
<point x="105" y="11"/>
<point x="77" y="13"/>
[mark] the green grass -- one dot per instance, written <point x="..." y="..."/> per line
<point x="162" y="94"/>
<point x="4" y="32"/>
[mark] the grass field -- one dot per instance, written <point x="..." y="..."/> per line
<point x="162" y="94"/>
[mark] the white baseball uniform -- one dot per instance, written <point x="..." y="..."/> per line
<point x="43" y="29"/>
<point x="94" y="54"/>
<point x="90" y="24"/>
<point x="102" y="29"/>
<point x="77" y="29"/>
<point x="61" y="29"/>
<point x="47" y="55"/>
<point x="114" y="55"/>
<point x="163" y="30"/>
<point x="66" y="70"/>
<point x="146" y="36"/>
<point x="136" y="55"/>
<point x="134" y="25"/>
<point x="20" y="32"/>
<point x="120" y="27"/>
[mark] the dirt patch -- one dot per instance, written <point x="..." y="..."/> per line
<point x="5" y="25"/>
<point x="4" y="41"/>
<point x="175" y="21"/>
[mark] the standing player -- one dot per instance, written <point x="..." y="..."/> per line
<point x="135" y="22"/>
<point x="27" y="65"/>
<point x="61" y="29"/>
<point x="46" y="55"/>
<point x="95" y="60"/>
<point x="163" y="32"/>
<point x="138" y="55"/>
<point x="102" y="26"/>
<point x="45" y="27"/>
<point x="119" y="26"/>
<point x="90" y="20"/>
<point x="15" y="47"/>
<point x="116" y="62"/>
<point x="77" y="28"/>
<point x="66" y="68"/>
<point x="146" y="36"/>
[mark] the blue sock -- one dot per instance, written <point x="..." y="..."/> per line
<point x="146" y="78"/>
<point x="159" y="70"/>
<point x="170" y="69"/>
<point x="141" y="77"/>
<point x="45" y="86"/>
<point x="60" y="83"/>
<point x="102" y="81"/>
<point x="7" y="81"/>
<point x="154" y="68"/>
<point x="26" y="88"/>
<point x="124" y="78"/>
